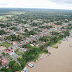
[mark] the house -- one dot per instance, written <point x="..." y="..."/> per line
<point x="3" y="61"/>
<point x="9" y="51"/>
<point x="1" y="40"/>
<point x="14" y="42"/>
<point x="2" y="48"/>
<point x="17" y="34"/>
<point x="31" y="44"/>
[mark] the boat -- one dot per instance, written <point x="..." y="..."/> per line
<point x="30" y="65"/>
<point x="25" y="69"/>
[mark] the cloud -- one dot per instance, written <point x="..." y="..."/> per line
<point x="62" y="1"/>
<point x="3" y="4"/>
<point x="49" y="4"/>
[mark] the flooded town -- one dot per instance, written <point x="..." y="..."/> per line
<point x="27" y="33"/>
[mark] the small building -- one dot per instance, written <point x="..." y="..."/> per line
<point x="1" y="40"/>
<point x="3" y="61"/>
<point x="14" y="42"/>
<point x="31" y="44"/>
<point x="17" y="34"/>
<point x="2" y="48"/>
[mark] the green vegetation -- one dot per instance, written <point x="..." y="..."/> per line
<point x="22" y="62"/>
<point x="3" y="53"/>
<point x="2" y="25"/>
<point x="17" y="52"/>
<point x="69" y="27"/>
<point x="48" y="27"/>
<point x="9" y="56"/>
<point x="31" y="55"/>
<point x="34" y="24"/>
<point x="24" y="17"/>
<point x="54" y="33"/>
<point x="13" y="28"/>
<point x="13" y="38"/>
<point x="55" y="47"/>
<point x="36" y="29"/>
<point x="26" y="30"/>
<point x="26" y="46"/>
<point x="6" y="44"/>
<point x="2" y="32"/>
<point x="52" y="41"/>
<point x="66" y="33"/>
<point x="13" y="67"/>
<point x="44" y="51"/>
<point x="0" y="63"/>
<point x="44" y="38"/>
<point x="59" y="42"/>
<point x="59" y="23"/>
<point x="29" y="33"/>
<point x="5" y="70"/>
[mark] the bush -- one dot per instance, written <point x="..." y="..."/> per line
<point x="14" y="66"/>
<point x="45" y="51"/>
<point x="2" y="32"/>
<point x="31" y="54"/>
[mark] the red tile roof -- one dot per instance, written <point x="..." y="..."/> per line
<point x="3" y="62"/>
<point x="8" y="51"/>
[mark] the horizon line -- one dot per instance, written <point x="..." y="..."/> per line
<point x="34" y="8"/>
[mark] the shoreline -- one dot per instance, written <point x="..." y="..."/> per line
<point x="60" y="59"/>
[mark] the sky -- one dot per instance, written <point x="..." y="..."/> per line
<point x="47" y="4"/>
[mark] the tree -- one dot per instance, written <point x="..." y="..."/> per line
<point x="26" y="30"/>
<point x="22" y="62"/>
<point x="3" y="53"/>
<point x="11" y="63"/>
<point x="3" y="69"/>
<point x="13" y="38"/>
<point x="9" y="70"/>
<point x="14" y="66"/>
<point x="0" y="63"/>
<point x="26" y="46"/>
<point x="31" y="54"/>
<point x="2" y="32"/>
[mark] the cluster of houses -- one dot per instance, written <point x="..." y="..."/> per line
<point x="20" y="31"/>
<point x="9" y="51"/>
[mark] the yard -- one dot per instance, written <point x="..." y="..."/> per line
<point x="9" y="57"/>
<point x="5" y="44"/>
<point x="18" y="53"/>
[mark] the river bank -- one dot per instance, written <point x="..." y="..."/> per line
<point x="60" y="59"/>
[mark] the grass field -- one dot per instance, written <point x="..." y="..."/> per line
<point x="13" y="12"/>
<point x="5" y="44"/>
<point x="9" y="57"/>
<point x="17" y="52"/>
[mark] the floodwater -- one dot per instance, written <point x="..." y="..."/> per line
<point x="60" y="59"/>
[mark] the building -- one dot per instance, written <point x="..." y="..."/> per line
<point x="1" y="40"/>
<point x="3" y="61"/>
<point x="2" y="48"/>
<point x="14" y="42"/>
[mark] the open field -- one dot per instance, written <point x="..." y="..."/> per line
<point x="13" y="12"/>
